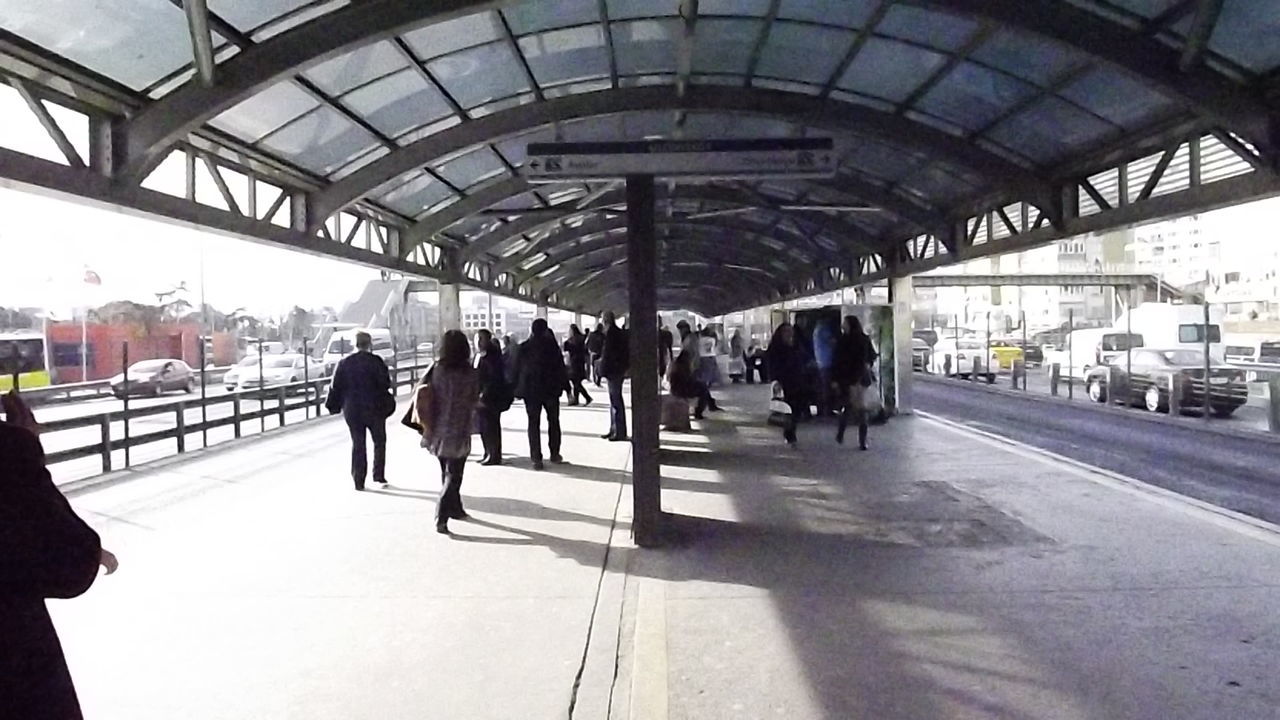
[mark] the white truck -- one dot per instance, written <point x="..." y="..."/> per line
<point x="343" y="343"/>
<point x="1087" y="348"/>
<point x="1166" y="326"/>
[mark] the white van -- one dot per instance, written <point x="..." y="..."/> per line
<point x="1175" y="327"/>
<point x="1088" y="348"/>
<point x="343" y="343"/>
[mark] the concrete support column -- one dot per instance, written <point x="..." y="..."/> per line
<point x="450" y="307"/>
<point x="540" y="311"/>
<point x="902" y="296"/>
<point x="577" y="320"/>
<point x="642" y="324"/>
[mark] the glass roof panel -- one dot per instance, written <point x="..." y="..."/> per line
<point x="1049" y="130"/>
<point x="725" y="46"/>
<point x="1035" y="59"/>
<point x="937" y="184"/>
<point x="972" y="96"/>
<point x="935" y="29"/>
<point x="503" y="104"/>
<point x="1116" y="97"/>
<point x="787" y="86"/>
<point x="567" y="55"/>
<point x="734" y="7"/>
<point x="620" y="9"/>
<point x="711" y="125"/>
<point x="320" y="141"/>
<point x="577" y="88"/>
<point x="514" y="148"/>
<point x="134" y="42"/>
<point x="1145" y="8"/>
<point x="471" y="167"/>
<point x="879" y="160"/>
<point x="446" y="37"/>
<point x="789" y="52"/>
<point x="309" y="12"/>
<point x="261" y="113"/>
<point x="890" y="69"/>
<point x="1247" y="33"/>
<point x="344" y="72"/>
<point x="398" y="103"/>
<point x="849" y="13"/>
<point x="481" y="74"/>
<point x="247" y="16"/>
<point x="530" y="17"/>
<point x="416" y="195"/>
<point x="359" y="162"/>
<point x="645" y="46"/>
<point x="428" y="129"/>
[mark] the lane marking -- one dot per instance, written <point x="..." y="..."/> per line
<point x="649" y="699"/>
<point x="1236" y="522"/>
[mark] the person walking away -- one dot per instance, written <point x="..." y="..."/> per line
<point x="579" y="357"/>
<point x="708" y="370"/>
<point x="595" y="348"/>
<point x="361" y="391"/>
<point x="46" y="551"/>
<point x="666" y="345"/>
<point x="852" y="375"/>
<point x="542" y="376"/>
<point x="754" y="359"/>
<point x="445" y="405"/>
<point x="615" y="361"/>
<point x="786" y="362"/>
<point x="737" y="358"/>
<point x="688" y="339"/>
<point x="685" y="385"/>
<point x="495" y="396"/>
<point x="824" y="352"/>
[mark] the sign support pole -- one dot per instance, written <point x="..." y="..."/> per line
<point x="642" y="325"/>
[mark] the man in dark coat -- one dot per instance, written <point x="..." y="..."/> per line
<point x="46" y="551"/>
<point x="595" y="346"/>
<point x="541" y="377"/>
<point x="361" y="391"/>
<point x="614" y="364"/>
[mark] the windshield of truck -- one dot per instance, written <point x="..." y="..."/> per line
<point x="341" y="346"/>
<point x="1195" y="333"/>
<point x="1120" y="341"/>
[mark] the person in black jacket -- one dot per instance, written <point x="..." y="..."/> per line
<point x="614" y="364"/>
<point x="595" y="346"/>
<point x="542" y="376"/>
<point x="786" y="363"/>
<point x="361" y="391"/>
<point x="46" y="551"/>
<point x="851" y="375"/>
<point x="666" y="348"/>
<point x="495" y="396"/>
<point x="576" y="347"/>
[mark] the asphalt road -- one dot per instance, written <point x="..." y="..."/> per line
<point x="1239" y="473"/>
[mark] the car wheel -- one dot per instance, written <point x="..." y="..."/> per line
<point x="1152" y="399"/>
<point x="191" y="386"/>
<point x="1097" y="393"/>
<point x="1223" y="411"/>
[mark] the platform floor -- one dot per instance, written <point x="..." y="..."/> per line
<point x="941" y="575"/>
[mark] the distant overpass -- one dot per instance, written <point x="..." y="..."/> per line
<point x="1119" y="280"/>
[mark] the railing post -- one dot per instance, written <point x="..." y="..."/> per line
<point x="280" y="402"/>
<point x="1175" y="394"/>
<point x="235" y="410"/>
<point x="1273" y="404"/>
<point x="306" y="381"/>
<point x="124" y="357"/>
<point x="104" y="427"/>
<point x="181" y="411"/>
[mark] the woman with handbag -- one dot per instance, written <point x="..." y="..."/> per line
<point x="495" y="396"/>
<point x="853" y="377"/>
<point x="445" y="405"/>
<point x="786" y="362"/>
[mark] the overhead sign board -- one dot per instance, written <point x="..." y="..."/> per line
<point x="698" y="159"/>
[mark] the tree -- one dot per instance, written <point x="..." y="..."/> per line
<point x="298" y="324"/>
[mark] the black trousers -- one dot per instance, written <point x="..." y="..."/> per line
<point x="534" y="409"/>
<point x="377" y="430"/>
<point x="696" y="390"/>
<point x="756" y="365"/>
<point x="576" y="390"/>
<point x="490" y="433"/>
<point x="617" y="409"/>
<point x="450" y="504"/>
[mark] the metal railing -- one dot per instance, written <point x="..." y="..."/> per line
<point x="92" y="389"/>
<point x="274" y="400"/>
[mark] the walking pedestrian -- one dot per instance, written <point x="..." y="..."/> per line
<point x="595" y="347"/>
<point x="852" y="375"/>
<point x="361" y="391"/>
<point x="542" y="377"/>
<point x="46" y="551"/>
<point x="576" y="347"/>
<point x="615" y="362"/>
<point x="445" y="405"/>
<point x="495" y="396"/>
<point x="786" y="362"/>
<point x="737" y="358"/>
<point x="666" y="349"/>
<point x="685" y="385"/>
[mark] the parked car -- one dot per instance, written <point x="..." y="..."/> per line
<point x="920" y="352"/>
<point x="962" y="355"/>
<point x="232" y="379"/>
<point x="1148" y="385"/>
<point x="1004" y="354"/>
<point x="153" y="377"/>
<point x="1033" y="354"/>
<point x="280" y="370"/>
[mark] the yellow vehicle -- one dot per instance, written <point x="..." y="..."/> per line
<point x="1004" y="354"/>
<point x="22" y="353"/>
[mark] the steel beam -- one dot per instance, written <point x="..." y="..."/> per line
<point x="1202" y="25"/>
<point x="830" y="116"/>
<point x="685" y="248"/>
<point x="201" y="41"/>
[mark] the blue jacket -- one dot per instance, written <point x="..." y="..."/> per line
<point x="824" y="346"/>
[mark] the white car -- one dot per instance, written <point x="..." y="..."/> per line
<point x="279" y="370"/>
<point x="232" y="379"/>
<point x="963" y="355"/>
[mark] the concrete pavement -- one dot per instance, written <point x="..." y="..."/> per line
<point x="941" y="575"/>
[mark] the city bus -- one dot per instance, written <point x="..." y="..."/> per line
<point x="22" y="352"/>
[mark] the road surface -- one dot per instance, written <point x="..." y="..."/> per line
<point x="1240" y="473"/>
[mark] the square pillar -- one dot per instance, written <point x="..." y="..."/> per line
<point x="642" y="326"/>
<point x="450" y="307"/>
<point x="540" y="311"/>
<point x="902" y="296"/>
